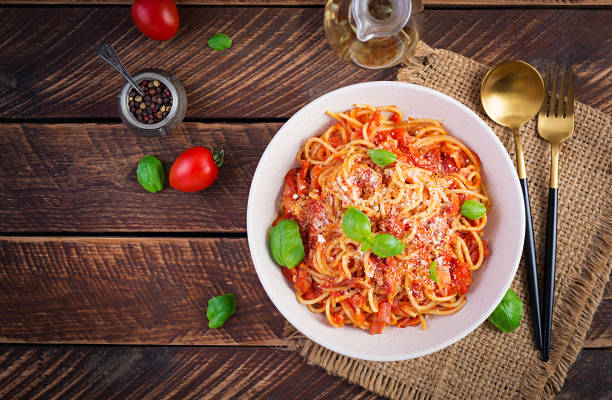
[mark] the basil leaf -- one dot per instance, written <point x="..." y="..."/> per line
<point x="366" y="245"/>
<point x="356" y="225"/>
<point x="382" y="157"/>
<point x="507" y="316"/>
<point x="219" y="309"/>
<point x="385" y="245"/>
<point x="286" y="243"/>
<point x="150" y="173"/>
<point x="220" y="41"/>
<point x="473" y="209"/>
<point x="433" y="271"/>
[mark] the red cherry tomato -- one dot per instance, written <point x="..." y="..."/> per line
<point x="195" y="169"/>
<point x="157" y="19"/>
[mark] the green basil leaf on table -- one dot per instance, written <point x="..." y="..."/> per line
<point x="382" y="157"/>
<point x="220" y="41"/>
<point x="219" y="309"/>
<point x="473" y="209"/>
<point x="286" y="243"/>
<point x="385" y="245"/>
<point x="356" y="225"/>
<point x="150" y="173"/>
<point x="507" y="316"/>
<point x="433" y="271"/>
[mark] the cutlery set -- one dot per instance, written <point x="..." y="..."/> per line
<point x="513" y="92"/>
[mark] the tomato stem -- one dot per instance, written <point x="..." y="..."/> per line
<point x="218" y="156"/>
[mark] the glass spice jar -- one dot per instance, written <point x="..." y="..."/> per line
<point x="169" y="122"/>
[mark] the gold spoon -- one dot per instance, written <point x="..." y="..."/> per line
<point x="512" y="93"/>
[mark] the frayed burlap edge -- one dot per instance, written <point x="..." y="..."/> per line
<point x="546" y="378"/>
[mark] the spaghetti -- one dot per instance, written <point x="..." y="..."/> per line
<point x="417" y="199"/>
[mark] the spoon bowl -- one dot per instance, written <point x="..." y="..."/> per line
<point x="512" y="93"/>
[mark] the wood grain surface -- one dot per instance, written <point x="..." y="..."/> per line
<point x="143" y="291"/>
<point x="131" y="291"/>
<point x="133" y="268"/>
<point x="57" y="74"/>
<point x="82" y="177"/>
<point x="28" y="372"/>
<point x="478" y="3"/>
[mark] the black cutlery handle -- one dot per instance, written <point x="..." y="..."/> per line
<point x="549" y="272"/>
<point x="530" y="266"/>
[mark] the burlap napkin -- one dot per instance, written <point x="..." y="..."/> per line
<point x="489" y="364"/>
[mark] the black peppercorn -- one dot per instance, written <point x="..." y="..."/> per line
<point x="154" y="106"/>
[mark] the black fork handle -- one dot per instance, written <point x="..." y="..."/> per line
<point x="549" y="272"/>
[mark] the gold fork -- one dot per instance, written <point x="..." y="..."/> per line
<point x="555" y="124"/>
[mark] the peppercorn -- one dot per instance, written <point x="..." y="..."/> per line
<point x="154" y="106"/>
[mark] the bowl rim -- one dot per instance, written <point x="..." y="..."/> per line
<point x="427" y="350"/>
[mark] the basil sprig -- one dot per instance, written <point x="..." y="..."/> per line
<point x="473" y="209"/>
<point x="507" y="316"/>
<point x="286" y="243"/>
<point x="220" y="41"/>
<point x="219" y="309"/>
<point x="433" y="271"/>
<point x="382" y="157"/>
<point x="356" y="225"/>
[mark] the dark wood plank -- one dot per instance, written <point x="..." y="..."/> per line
<point x="130" y="291"/>
<point x="589" y="377"/>
<point x="488" y="3"/>
<point x="608" y="291"/>
<point x="143" y="291"/>
<point x="83" y="178"/>
<point x="600" y="332"/>
<point x="279" y="60"/>
<point x="211" y="372"/>
<point x="162" y="372"/>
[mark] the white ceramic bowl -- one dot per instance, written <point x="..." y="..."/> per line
<point x="504" y="231"/>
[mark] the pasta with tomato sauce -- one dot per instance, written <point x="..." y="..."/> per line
<point x="416" y="198"/>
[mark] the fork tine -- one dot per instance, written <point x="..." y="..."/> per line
<point x="569" y="110"/>
<point x="562" y="103"/>
<point x="545" y="106"/>
<point x="553" y="92"/>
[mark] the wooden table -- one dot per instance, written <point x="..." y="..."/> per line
<point x="103" y="286"/>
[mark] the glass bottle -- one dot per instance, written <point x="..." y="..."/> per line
<point x="373" y="33"/>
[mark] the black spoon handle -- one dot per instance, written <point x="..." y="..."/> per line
<point x="549" y="272"/>
<point x="531" y="269"/>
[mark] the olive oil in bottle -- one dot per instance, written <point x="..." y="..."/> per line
<point x="373" y="33"/>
